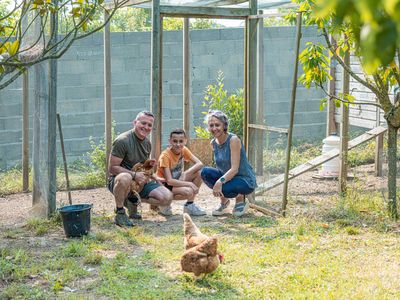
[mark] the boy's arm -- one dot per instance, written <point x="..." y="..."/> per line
<point x="197" y="164"/>
<point x="175" y="182"/>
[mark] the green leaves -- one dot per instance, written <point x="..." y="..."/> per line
<point x="216" y="97"/>
<point x="375" y="26"/>
<point x="315" y="63"/>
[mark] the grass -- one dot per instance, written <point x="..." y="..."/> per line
<point x="347" y="249"/>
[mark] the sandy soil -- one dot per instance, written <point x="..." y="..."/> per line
<point x="304" y="192"/>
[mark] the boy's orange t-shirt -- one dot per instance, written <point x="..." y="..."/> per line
<point x="174" y="162"/>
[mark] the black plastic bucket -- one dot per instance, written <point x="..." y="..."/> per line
<point x="76" y="219"/>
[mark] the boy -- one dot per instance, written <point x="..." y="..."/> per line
<point x="170" y="170"/>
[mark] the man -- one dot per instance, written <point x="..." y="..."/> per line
<point x="129" y="148"/>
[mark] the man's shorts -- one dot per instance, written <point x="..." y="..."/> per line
<point x="144" y="193"/>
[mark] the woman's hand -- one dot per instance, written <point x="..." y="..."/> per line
<point x="217" y="189"/>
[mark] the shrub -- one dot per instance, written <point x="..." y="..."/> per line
<point x="216" y="97"/>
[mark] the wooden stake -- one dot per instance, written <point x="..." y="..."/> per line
<point x="64" y="158"/>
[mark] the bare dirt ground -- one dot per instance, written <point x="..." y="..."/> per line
<point x="305" y="195"/>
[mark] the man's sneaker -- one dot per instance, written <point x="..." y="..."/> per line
<point x="132" y="209"/>
<point x="121" y="219"/>
<point x="222" y="209"/>
<point x="193" y="210"/>
<point x="165" y="210"/>
<point x="241" y="208"/>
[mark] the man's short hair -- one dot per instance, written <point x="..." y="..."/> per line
<point x="145" y="113"/>
<point x="177" y="131"/>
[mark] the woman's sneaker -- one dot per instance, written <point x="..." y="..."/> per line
<point x="222" y="209"/>
<point x="193" y="210"/>
<point x="241" y="208"/>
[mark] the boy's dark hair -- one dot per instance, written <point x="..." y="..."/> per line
<point x="177" y="131"/>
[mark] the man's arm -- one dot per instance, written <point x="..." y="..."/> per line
<point x="114" y="166"/>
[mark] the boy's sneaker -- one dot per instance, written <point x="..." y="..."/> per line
<point x="132" y="209"/>
<point x="165" y="210"/>
<point x="222" y="209"/>
<point x="193" y="210"/>
<point x="121" y="219"/>
<point x="241" y="208"/>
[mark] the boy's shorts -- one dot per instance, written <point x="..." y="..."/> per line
<point x="144" y="193"/>
<point x="170" y="187"/>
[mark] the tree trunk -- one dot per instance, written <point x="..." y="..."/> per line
<point x="392" y="167"/>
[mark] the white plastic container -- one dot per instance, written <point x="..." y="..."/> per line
<point x="330" y="168"/>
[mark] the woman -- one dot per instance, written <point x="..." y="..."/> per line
<point x="233" y="177"/>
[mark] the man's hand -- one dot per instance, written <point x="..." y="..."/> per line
<point x="141" y="178"/>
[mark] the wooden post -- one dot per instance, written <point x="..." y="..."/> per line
<point x="331" y="127"/>
<point x="292" y="109"/>
<point x="344" y="131"/>
<point x="44" y="130"/>
<point x="156" y="78"/>
<point x="186" y="76"/>
<point x="246" y="88"/>
<point x="259" y="138"/>
<point x="252" y="79"/>
<point x="25" y="121"/>
<point x="25" y="132"/>
<point x="107" y="90"/>
<point x="52" y="117"/>
<point x="378" y="147"/>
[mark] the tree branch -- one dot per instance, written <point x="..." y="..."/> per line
<point x="347" y="68"/>
<point x="332" y="96"/>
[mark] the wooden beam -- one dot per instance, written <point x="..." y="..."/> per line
<point x="25" y="132"/>
<point x="252" y="80"/>
<point x="156" y="78"/>
<point x="245" y="90"/>
<point x="110" y="4"/>
<point x="331" y="126"/>
<point x="259" y="135"/>
<point x="378" y="147"/>
<point x="25" y="119"/>
<point x="186" y="77"/>
<point x="204" y="12"/>
<point x="269" y="128"/>
<point x="315" y="162"/>
<point x="292" y="109"/>
<point x="52" y="118"/>
<point x="107" y="90"/>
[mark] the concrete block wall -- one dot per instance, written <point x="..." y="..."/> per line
<point x="80" y="85"/>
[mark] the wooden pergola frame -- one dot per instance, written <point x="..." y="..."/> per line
<point x="158" y="12"/>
